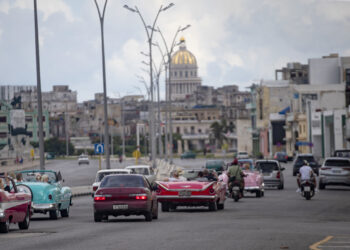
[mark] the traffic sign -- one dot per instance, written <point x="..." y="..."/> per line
<point x="99" y="148"/>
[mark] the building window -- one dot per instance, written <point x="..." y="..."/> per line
<point x="199" y="131"/>
<point x="175" y="73"/>
<point x="29" y="118"/>
<point x="180" y="73"/>
<point x="3" y="119"/>
<point x="191" y="73"/>
<point x="3" y="135"/>
<point x="178" y="130"/>
<point x="186" y="74"/>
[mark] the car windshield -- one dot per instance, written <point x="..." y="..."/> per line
<point x="213" y="163"/>
<point x="342" y="154"/>
<point x="143" y="171"/>
<point x="122" y="181"/>
<point x="309" y="159"/>
<point x="267" y="167"/>
<point x="35" y="176"/>
<point x="100" y="176"/>
<point x="337" y="163"/>
<point x="190" y="174"/>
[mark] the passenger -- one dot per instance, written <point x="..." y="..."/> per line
<point x="2" y="187"/>
<point x="177" y="176"/>
<point x="209" y="176"/>
<point x="19" y="177"/>
<point x="45" y="178"/>
<point x="6" y="184"/>
<point x="236" y="174"/>
<point x="38" y="177"/>
<point x="201" y="177"/>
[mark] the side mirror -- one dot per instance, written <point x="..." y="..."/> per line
<point x="282" y="169"/>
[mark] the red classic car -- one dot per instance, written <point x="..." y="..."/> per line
<point x="191" y="193"/>
<point x="15" y="204"/>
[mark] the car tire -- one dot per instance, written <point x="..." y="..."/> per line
<point x="165" y="207"/>
<point x="97" y="217"/>
<point x="258" y="194"/>
<point x="148" y="216"/>
<point x="155" y="214"/>
<point x="221" y="206"/>
<point x="25" y="223"/>
<point x="5" y="226"/>
<point x="53" y="214"/>
<point x="173" y="206"/>
<point x="213" y="206"/>
<point x="321" y="186"/>
<point x="65" y="212"/>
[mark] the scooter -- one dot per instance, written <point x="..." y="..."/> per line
<point x="307" y="189"/>
<point x="236" y="191"/>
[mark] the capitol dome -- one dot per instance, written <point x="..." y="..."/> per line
<point x="183" y="56"/>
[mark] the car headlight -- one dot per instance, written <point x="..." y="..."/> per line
<point x="2" y="214"/>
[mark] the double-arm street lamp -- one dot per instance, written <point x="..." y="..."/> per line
<point x="169" y="51"/>
<point x="101" y="16"/>
<point x="149" y="37"/>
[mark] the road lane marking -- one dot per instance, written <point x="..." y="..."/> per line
<point x="315" y="245"/>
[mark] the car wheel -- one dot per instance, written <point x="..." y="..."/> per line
<point x="97" y="217"/>
<point x="65" y="212"/>
<point x="321" y="185"/>
<point x="213" y="206"/>
<point x="148" y="216"/>
<point x="165" y="207"/>
<point x="258" y="193"/>
<point x="5" y="226"/>
<point x="172" y="207"/>
<point x="54" y="214"/>
<point x="25" y="223"/>
<point x="155" y="213"/>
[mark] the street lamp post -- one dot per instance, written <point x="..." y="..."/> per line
<point x="169" y="107"/>
<point x="106" y="135"/>
<point x="150" y="36"/>
<point x="38" y="89"/>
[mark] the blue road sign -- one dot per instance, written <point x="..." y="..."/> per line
<point x="99" y="148"/>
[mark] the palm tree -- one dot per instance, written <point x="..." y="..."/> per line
<point x="219" y="129"/>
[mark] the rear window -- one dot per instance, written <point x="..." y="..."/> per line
<point x="102" y="175"/>
<point x="337" y="163"/>
<point x="309" y="159"/>
<point x="122" y="181"/>
<point x="267" y="166"/>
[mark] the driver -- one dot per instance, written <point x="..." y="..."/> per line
<point x="235" y="174"/>
<point x="306" y="173"/>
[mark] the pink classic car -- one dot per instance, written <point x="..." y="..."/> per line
<point x="191" y="193"/>
<point x="15" y="204"/>
<point x="254" y="180"/>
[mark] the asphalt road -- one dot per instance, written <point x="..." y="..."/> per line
<point x="281" y="219"/>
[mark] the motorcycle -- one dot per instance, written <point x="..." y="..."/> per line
<point x="236" y="191"/>
<point x="307" y="189"/>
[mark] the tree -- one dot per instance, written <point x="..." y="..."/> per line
<point x="58" y="147"/>
<point x="219" y="129"/>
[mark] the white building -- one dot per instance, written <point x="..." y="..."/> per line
<point x="7" y="92"/>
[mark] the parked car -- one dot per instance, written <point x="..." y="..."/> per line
<point x="121" y="194"/>
<point x="335" y="171"/>
<point x="83" y="159"/>
<point x="299" y="162"/>
<point x="242" y="155"/>
<point x="15" y="206"/>
<point x="281" y="157"/>
<point x="188" y="155"/>
<point x="191" y="194"/>
<point x="50" y="156"/>
<point x="342" y="153"/>
<point x="102" y="173"/>
<point x="48" y="197"/>
<point x="272" y="173"/>
<point x="217" y="165"/>
<point x="145" y="170"/>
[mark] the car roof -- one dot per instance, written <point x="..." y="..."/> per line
<point x="308" y="154"/>
<point x="337" y="158"/>
<point x="138" y="166"/>
<point x="137" y="175"/>
<point x="342" y="150"/>
<point x="267" y="160"/>
<point x="114" y="170"/>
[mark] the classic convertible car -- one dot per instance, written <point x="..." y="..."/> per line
<point x="15" y="205"/>
<point x="254" y="180"/>
<point x="191" y="193"/>
<point x="48" y="196"/>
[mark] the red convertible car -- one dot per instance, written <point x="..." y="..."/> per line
<point x="15" y="204"/>
<point x="191" y="193"/>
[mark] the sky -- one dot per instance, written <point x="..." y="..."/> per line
<point x="234" y="41"/>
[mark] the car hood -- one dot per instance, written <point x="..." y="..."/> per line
<point x="42" y="190"/>
<point x="196" y="185"/>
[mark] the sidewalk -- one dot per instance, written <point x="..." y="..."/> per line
<point x="15" y="167"/>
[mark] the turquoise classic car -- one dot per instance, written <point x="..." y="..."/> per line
<point x="48" y="195"/>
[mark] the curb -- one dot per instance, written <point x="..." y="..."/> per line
<point x="81" y="194"/>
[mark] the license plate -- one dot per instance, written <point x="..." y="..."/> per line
<point x="235" y="188"/>
<point x="119" y="207"/>
<point x="307" y="189"/>
<point x="336" y="171"/>
<point x="184" y="193"/>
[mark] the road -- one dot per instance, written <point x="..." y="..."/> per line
<point x="281" y="219"/>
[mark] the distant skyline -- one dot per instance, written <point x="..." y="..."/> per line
<point x="234" y="41"/>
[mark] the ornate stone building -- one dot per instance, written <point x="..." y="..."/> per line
<point x="184" y="73"/>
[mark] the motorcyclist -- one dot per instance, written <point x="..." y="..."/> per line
<point x="306" y="173"/>
<point x="235" y="174"/>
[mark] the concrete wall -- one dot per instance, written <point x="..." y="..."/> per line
<point x="244" y="135"/>
<point x="324" y="71"/>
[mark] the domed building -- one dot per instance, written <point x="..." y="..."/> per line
<point x="184" y="73"/>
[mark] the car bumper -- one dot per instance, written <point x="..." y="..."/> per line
<point x="336" y="180"/>
<point x="43" y="208"/>
<point x="272" y="183"/>
<point x="190" y="201"/>
<point x="252" y="188"/>
<point x="135" y="207"/>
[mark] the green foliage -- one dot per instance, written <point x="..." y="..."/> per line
<point x="34" y="144"/>
<point x="58" y="147"/>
